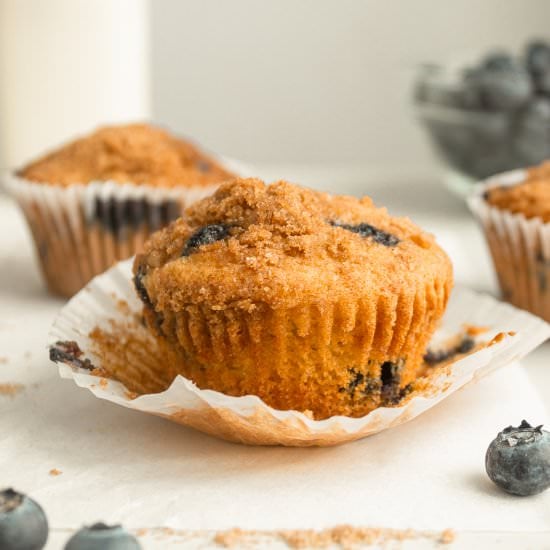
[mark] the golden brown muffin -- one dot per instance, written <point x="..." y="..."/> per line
<point x="310" y="301"/>
<point x="531" y="197"/>
<point x="514" y="211"/>
<point x="135" y="153"/>
<point x="96" y="200"/>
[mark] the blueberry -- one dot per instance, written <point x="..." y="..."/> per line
<point x="518" y="459"/>
<point x="538" y="57"/>
<point x="433" y="357"/>
<point x="506" y="88"/>
<point x="497" y="61"/>
<point x="23" y="524"/>
<point x="532" y="135"/>
<point x="203" y="166"/>
<point x="367" y="230"/>
<point x="471" y="96"/>
<point x="205" y="235"/>
<point x="102" y="537"/>
<point x="390" y="376"/>
<point x="140" y="287"/>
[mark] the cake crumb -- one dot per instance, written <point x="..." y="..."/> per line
<point x="447" y="536"/>
<point x="500" y="337"/>
<point x="11" y="390"/>
<point x="474" y="330"/>
<point x="103" y="383"/>
<point x="231" y="537"/>
<point x="3" y="360"/>
<point x="345" y="537"/>
<point x="55" y="472"/>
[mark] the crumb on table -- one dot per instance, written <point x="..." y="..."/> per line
<point x="11" y="390"/>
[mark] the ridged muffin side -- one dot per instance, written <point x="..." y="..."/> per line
<point x="312" y="302"/>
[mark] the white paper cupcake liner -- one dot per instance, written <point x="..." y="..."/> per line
<point x="82" y="230"/>
<point x="520" y="247"/>
<point x="248" y="419"/>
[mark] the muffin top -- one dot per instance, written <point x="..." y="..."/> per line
<point x="531" y="197"/>
<point x="281" y="245"/>
<point x="135" y="153"/>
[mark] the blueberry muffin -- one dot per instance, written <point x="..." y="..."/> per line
<point x="310" y="301"/>
<point x="96" y="200"/>
<point x="514" y="211"/>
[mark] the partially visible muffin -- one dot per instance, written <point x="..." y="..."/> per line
<point x="136" y="153"/>
<point x="310" y="301"/>
<point x="515" y="215"/>
<point x="97" y="199"/>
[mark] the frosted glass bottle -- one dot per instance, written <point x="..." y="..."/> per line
<point x="67" y="66"/>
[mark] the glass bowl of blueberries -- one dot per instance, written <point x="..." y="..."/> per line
<point x="487" y="117"/>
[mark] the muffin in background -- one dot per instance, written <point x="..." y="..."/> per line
<point x="310" y="301"/>
<point x="514" y="211"/>
<point x="97" y="199"/>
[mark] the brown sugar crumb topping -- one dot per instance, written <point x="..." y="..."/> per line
<point x="239" y="246"/>
<point x="530" y="197"/>
<point x="135" y="153"/>
<point x="342" y="536"/>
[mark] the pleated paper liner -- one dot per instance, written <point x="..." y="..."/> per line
<point x="81" y="230"/>
<point x="109" y="305"/>
<point x="520" y="248"/>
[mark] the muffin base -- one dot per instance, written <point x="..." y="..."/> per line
<point x="341" y="358"/>
<point x="520" y="249"/>
<point x="82" y="230"/>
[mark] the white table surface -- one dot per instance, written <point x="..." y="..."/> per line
<point x="23" y="298"/>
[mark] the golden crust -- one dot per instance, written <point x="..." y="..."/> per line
<point x="304" y="313"/>
<point x="530" y="197"/>
<point x="134" y="153"/>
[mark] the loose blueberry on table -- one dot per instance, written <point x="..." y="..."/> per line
<point x="518" y="459"/>
<point x="100" y="536"/>
<point x="23" y="524"/>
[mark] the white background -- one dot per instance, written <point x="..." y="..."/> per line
<point x="317" y="81"/>
<point x="271" y="81"/>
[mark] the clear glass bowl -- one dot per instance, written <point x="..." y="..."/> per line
<point x="473" y="143"/>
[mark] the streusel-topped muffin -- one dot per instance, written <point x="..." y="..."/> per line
<point x="310" y="301"/>
<point x="96" y="200"/>
<point x="514" y="211"/>
<point x="140" y="154"/>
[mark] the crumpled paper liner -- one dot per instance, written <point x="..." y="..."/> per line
<point x="520" y="248"/>
<point x="248" y="419"/>
<point x="81" y="230"/>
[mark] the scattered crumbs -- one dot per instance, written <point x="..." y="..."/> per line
<point x="141" y="532"/>
<point x="55" y="472"/>
<point x="103" y="383"/>
<point x="447" y="536"/>
<point x="345" y="537"/>
<point x="130" y="394"/>
<point x="500" y="337"/>
<point x="473" y="330"/>
<point x="231" y="537"/>
<point x="123" y="307"/>
<point x="3" y="360"/>
<point x="11" y="390"/>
